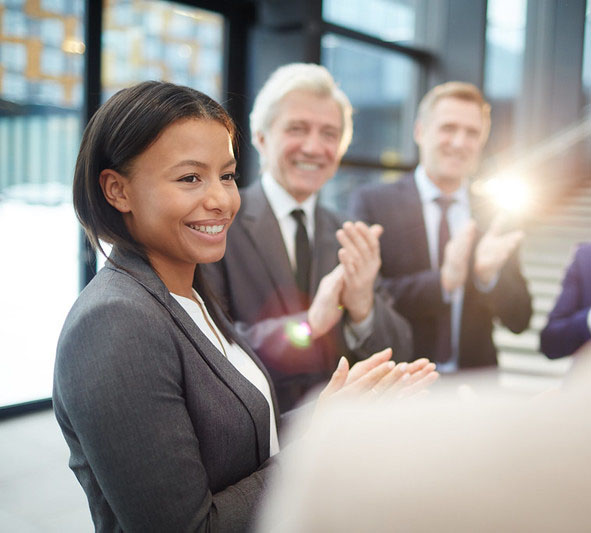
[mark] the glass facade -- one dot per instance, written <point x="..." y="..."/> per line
<point x="389" y="20"/>
<point x="41" y="53"/>
<point x="147" y="40"/>
<point x="587" y="57"/>
<point x="503" y="67"/>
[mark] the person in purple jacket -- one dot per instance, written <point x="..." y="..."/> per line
<point x="569" y="323"/>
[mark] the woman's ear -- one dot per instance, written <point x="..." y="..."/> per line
<point x="114" y="188"/>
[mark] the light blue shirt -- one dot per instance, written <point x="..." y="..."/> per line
<point x="458" y="215"/>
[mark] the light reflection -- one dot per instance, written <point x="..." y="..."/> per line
<point x="73" y="46"/>
<point x="508" y="192"/>
<point x="299" y="334"/>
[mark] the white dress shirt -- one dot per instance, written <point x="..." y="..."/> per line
<point x="282" y="204"/>
<point x="458" y="215"/>
<point x="236" y="355"/>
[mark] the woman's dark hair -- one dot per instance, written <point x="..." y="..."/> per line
<point x="123" y="128"/>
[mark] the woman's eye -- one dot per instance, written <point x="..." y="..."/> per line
<point x="190" y="179"/>
<point x="231" y="176"/>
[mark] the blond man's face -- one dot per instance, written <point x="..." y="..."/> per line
<point x="450" y="140"/>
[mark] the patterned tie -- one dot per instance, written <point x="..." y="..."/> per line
<point x="302" y="252"/>
<point x="443" y="344"/>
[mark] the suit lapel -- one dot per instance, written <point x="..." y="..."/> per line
<point x="324" y="250"/>
<point x="260" y="224"/>
<point x="250" y="396"/>
<point x="413" y="213"/>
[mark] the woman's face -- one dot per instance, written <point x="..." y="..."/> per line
<point x="181" y="195"/>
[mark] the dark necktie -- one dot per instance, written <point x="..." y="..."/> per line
<point x="443" y="344"/>
<point x="444" y="202"/>
<point x="302" y="252"/>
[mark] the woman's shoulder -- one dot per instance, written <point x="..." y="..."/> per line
<point x="114" y="309"/>
<point x="116" y="291"/>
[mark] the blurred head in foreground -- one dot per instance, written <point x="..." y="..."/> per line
<point x="441" y="463"/>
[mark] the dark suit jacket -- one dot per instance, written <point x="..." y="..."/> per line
<point x="567" y="328"/>
<point x="257" y="284"/>
<point x="416" y="288"/>
<point x="164" y="433"/>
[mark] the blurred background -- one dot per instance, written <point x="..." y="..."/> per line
<point x="59" y="59"/>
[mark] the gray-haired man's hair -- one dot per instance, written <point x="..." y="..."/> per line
<point x="299" y="77"/>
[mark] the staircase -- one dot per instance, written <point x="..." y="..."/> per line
<point x="547" y="250"/>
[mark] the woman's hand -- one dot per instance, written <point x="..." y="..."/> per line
<point x="377" y="377"/>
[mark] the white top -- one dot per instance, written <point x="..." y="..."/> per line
<point x="236" y="355"/>
<point x="458" y="216"/>
<point x="282" y="204"/>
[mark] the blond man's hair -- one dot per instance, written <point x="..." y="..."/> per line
<point x="454" y="89"/>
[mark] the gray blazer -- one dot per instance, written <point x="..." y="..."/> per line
<point x="164" y="433"/>
<point x="256" y="282"/>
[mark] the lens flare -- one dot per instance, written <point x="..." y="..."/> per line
<point x="510" y="193"/>
<point x="299" y="334"/>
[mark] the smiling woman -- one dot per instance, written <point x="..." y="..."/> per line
<point x="170" y="419"/>
<point x="178" y="198"/>
<point x="163" y="430"/>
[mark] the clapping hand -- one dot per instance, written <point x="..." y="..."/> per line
<point x="454" y="269"/>
<point x="360" y="257"/>
<point x="326" y="310"/>
<point x="494" y="249"/>
<point x="378" y="377"/>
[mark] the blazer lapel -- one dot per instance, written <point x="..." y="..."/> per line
<point x="249" y="395"/>
<point x="240" y="341"/>
<point x="262" y="227"/>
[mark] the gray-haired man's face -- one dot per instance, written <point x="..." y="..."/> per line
<point x="301" y="147"/>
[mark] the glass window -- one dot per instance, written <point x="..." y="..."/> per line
<point x="152" y="40"/>
<point x="503" y="66"/>
<point x="40" y="119"/>
<point x="336" y="193"/>
<point x="587" y="57"/>
<point x="389" y="20"/>
<point x="381" y="85"/>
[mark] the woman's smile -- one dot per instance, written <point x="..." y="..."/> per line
<point x="181" y="197"/>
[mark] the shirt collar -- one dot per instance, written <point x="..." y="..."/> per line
<point x="281" y="202"/>
<point x="428" y="191"/>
